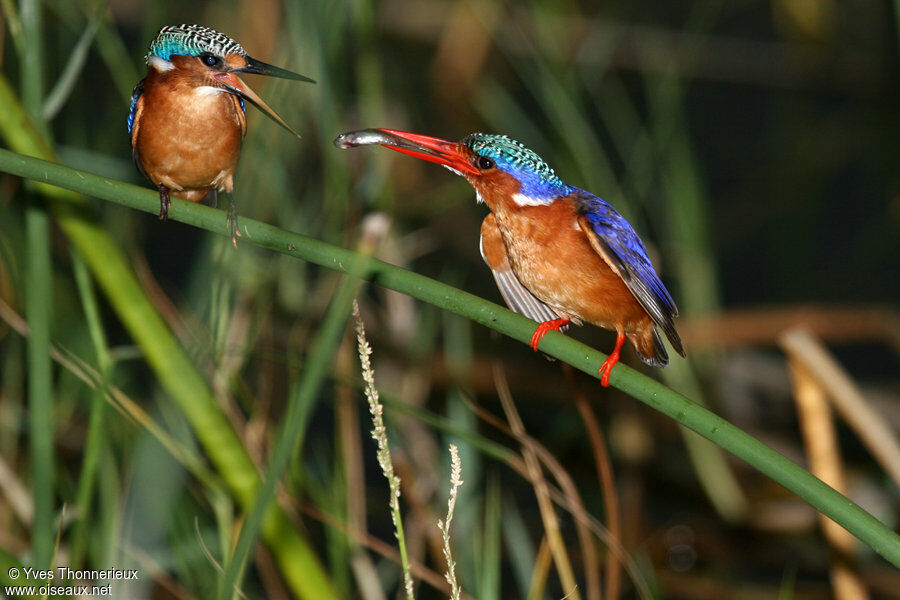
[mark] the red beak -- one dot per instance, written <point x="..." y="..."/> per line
<point x="425" y="147"/>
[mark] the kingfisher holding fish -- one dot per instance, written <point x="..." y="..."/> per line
<point x="559" y="254"/>
<point x="187" y="120"/>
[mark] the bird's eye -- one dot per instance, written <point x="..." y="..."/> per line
<point x="210" y="60"/>
<point x="484" y="163"/>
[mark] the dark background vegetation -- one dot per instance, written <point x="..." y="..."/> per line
<point x="755" y="146"/>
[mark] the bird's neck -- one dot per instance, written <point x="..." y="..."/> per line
<point x="507" y="197"/>
<point x="191" y="96"/>
<point x="508" y="193"/>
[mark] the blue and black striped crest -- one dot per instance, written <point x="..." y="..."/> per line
<point x="537" y="178"/>
<point x="192" y="40"/>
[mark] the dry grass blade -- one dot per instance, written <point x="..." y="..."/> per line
<point x="755" y="326"/>
<point x="872" y="428"/>
<point x="607" y="482"/>
<point x="16" y="494"/>
<point x="542" y="563"/>
<point x="568" y="500"/>
<point x="548" y="514"/>
<point x="825" y="462"/>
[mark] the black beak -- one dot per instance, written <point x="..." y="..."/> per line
<point x="261" y="68"/>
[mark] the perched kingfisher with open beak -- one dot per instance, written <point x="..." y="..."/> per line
<point x="558" y="253"/>
<point x="187" y="118"/>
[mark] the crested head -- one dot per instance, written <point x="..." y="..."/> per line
<point x="192" y="40"/>
<point x="540" y="184"/>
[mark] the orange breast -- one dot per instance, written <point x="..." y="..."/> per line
<point x="185" y="139"/>
<point x="551" y="256"/>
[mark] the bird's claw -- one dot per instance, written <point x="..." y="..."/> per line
<point x="543" y="328"/>
<point x="165" y="203"/>
<point x="606" y="369"/>
<point x="232" y="222"/>
<point x="611" y="360"/>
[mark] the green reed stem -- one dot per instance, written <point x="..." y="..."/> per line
<point x="649" y="391"/>
<point x="39" y="293"/>
<point x="39" y="296"/>
<point x="96" y="430"/>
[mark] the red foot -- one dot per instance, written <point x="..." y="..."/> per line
<point x="543" y="328"/>
<point x="611" y="360"/>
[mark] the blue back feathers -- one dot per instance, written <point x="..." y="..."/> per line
<point x="619" y="236"/>
<point x="192" y="40"/>
<point x="538" y="180"/>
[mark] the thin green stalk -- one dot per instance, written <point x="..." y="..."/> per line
<point x="300" y="407"/>
<point x="96" y="430"/>
<point x="57" y="97"/>
<point x="38" y="293"/>
<point x="649" y="391"/>
<point x="31" y="60"/>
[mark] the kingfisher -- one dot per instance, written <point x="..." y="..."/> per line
<point x="187" y="118"/>
<point x="559" y="254"/>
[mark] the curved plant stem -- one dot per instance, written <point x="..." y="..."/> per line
<point x="649" y="391"/>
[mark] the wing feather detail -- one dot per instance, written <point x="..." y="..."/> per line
<point x="613" y="238"/>
<point x="134" y="122"/>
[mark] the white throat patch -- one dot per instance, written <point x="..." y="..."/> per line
<point x="207" y="90"/>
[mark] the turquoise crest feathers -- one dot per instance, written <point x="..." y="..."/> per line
<point x="538" y="180"/>
<point x="192" y="40"/>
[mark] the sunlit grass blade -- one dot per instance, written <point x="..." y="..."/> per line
<point x="300" y="406"/>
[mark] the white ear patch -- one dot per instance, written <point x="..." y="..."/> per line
<point x="523" y="200"/>
<point x="160" y="64"/>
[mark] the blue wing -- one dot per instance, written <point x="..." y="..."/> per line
<point x="135" y="94"/>
<point x="617" y="242"/>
